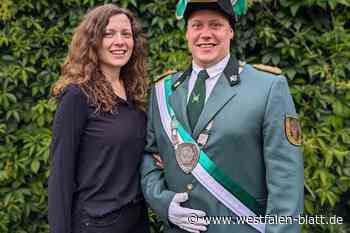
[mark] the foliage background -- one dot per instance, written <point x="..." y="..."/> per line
<point x="309" y="40"/>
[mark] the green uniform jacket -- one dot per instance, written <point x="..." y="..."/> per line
<point x="247" y="141"/>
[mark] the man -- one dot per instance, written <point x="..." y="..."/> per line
<point x="226" y="136"/>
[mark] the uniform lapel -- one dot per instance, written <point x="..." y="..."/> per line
<point x="225" y="89"/>
<point x="178" y="99"/>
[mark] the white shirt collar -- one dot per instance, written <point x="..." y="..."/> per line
<point x="214" y="70"/>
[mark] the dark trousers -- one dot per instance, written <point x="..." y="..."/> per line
<point x="131" y="218"/>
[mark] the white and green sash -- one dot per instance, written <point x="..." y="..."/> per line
<point x="206" y="172"/>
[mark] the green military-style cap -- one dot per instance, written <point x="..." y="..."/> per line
<point x="230" y="8"/>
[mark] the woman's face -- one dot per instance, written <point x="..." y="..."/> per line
<point x="117" y="43"/>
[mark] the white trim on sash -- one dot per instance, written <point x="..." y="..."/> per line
<point x="225" y="197"/>
<point x="163" y="111"/>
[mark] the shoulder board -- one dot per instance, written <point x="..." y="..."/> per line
<point x="266" y="68"/>
<point x="160" y="77"/>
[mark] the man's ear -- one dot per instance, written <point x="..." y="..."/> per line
<point x="232" y="33"/>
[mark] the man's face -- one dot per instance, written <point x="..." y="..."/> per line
<point x="208" y="37"/>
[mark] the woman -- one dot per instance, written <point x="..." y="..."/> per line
<point x="99" y="128"/>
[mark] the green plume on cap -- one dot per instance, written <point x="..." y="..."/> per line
<point x="180" y="8"/>
<point x="239" y="7"/>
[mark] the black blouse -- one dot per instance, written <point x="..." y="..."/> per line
<point x="95" y="158"/>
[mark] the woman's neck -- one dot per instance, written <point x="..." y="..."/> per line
<point x="112" y="75"/>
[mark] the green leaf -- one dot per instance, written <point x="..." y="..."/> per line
<point x="309" y="207"/>
<point x="294" y="9"/>
<point x="276" y="59"/>
<point x="35" y="166"/>
<point x="344" y="2"/>
<point x="290" y="73"/>
<point x="8" y="58"/>
<point x="324" y="177"/>
<point x="266" y="58"/>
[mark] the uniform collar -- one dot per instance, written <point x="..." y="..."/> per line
<point x="213" y="71"/>
<point x="231" y="71"/>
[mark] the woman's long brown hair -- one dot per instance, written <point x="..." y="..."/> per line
<point x="82" y="66"/>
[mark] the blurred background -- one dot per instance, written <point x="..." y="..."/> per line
<point x="308" y="39"/>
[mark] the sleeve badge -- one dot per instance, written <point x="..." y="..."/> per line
<point x="292" y="130"/>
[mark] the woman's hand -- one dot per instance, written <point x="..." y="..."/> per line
<point x="158" y="161"/>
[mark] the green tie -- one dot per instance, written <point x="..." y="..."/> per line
<point x="196" y="102"/>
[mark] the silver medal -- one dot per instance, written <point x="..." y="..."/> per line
<point x="187" y="156"/>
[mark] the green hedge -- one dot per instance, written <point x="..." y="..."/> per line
<point x="309" y="40"/>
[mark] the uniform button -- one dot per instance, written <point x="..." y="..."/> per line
<point x="189" y="187"/>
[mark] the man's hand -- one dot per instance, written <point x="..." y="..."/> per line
<point x="187" y="219"/>
<point x="158" y="161"/>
